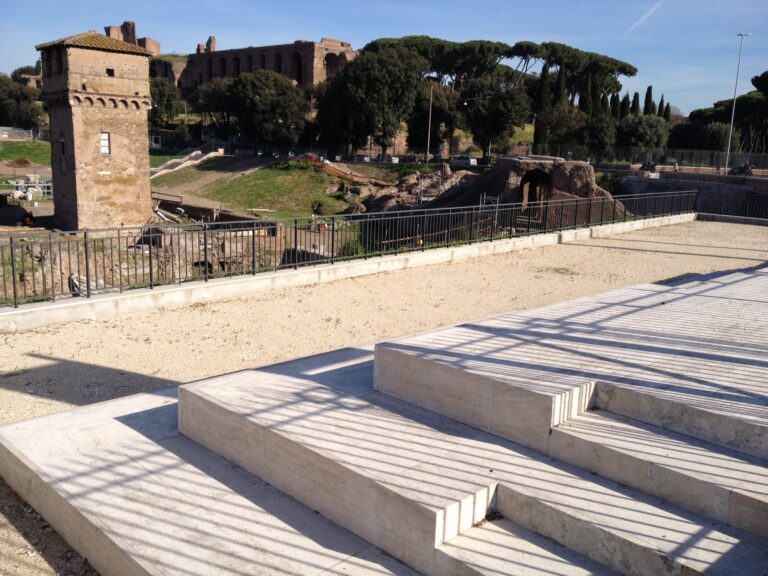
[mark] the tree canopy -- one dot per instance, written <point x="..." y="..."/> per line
<point x="18" y="105"/>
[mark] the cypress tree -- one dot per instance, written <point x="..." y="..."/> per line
<point x="604" y="105"/>
<point x="649" y="107"/>
<point x="668" y="112"/>
<point x="597" y="97"/>
<point x="544" y="99"/>
<point x="543" y="104"/>
<point x="560" y="95"/>
<point x="585" y="97"/>
<point x="615" y="107"/>
<point x="624" y="107"/>
<point x="635" y="109"/>
<point x="660" y="109"/>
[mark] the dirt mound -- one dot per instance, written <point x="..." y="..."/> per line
<point x="19" y="163"/>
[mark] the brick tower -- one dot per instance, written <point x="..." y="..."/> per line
<point x="97" y="92"/>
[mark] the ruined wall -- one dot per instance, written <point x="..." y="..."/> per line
<point x="307" y="63"/>
<point x="126" y="32"/>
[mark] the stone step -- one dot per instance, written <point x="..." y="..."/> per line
<point x="354" y="462"/>
<point x="501" y="548"/>
<point x="708" y="479"/>
<point x="517" y="410"/>
<point x="408" y="480"/>
<point x="698" y="420"/>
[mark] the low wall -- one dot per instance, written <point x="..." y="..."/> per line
<point x="44" y="314"/>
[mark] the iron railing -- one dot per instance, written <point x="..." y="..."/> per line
<point x="53" y="265"/>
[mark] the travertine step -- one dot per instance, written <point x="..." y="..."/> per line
<point x="691" y="358"/>
<point x="502" y="548"/>
<point x="714" y="481"/>
<point x="407" y="479"/>
<point x="702" y="419"/>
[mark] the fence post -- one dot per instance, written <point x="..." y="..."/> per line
<point x="151" y="263"/>
<point x="424" y="232"/>
<point x="205" y="251"/>
<point x="119" y="263"/>
<point x="471" y="225"/>
<point x="253" y="248"/>
<point x="295" y="243"/>
<point x="53" y="275"/>
<point x="13" y="275"/>
<point x="333" y="239"/>
<point x="87" y="267"/>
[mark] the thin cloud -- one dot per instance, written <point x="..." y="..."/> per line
<point x="650" y="12"/>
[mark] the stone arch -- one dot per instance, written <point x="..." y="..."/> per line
<point x="146" y="104"/>
<point x="135" y="104"/>
<point x="535" y="186"/>
<point x="334" y="63"/>
<point x="112" y="103"/>
<point x="101" y="102"/>
<point x="77" y="100"/>
<point x="88" y="101"/>
<point x="124" y="103"/>
<point x="297" y="68"/>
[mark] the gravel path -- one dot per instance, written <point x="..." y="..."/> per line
<point x="58" y="367"/>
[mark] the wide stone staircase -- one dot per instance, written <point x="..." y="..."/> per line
<point x="513" y="446"/>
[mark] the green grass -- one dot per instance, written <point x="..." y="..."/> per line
<point x="172" y="57"/>
<point x="290" y="192"/>
<point x="391" y="172"/>
<point x="193" y="173"/>
<point x="37" y="152"/>
<point x="610" y="181"/>
<point x="160" y="157"/>
<point x="523" y="135"/>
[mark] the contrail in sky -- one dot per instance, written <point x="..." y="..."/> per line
<point x="644" y="17"/>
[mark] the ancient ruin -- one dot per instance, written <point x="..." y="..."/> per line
<point x="126" y="32"/>
<point x="97" y="92"/>
<point x="307" y="63"/>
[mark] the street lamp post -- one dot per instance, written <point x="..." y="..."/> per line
<point x="741" y="36"/>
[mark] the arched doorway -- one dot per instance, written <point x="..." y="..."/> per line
<point x="535" y="186"/>
<point x="297" y="66"/>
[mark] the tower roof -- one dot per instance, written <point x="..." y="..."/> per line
<point x="92" y="40"/>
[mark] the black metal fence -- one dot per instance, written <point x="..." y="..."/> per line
<point x="49" y="266"/>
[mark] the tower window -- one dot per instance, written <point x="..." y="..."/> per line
<point x="104" y="143"/>
<point x="111" y="72"/>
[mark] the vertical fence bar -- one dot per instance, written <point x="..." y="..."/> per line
<point x="295" y="243"/>
<point x="205" y="252"/>
<point x="253" y="248"/>
<point x="333" y="240"/>
<point x="151" y="261"/>
<point x="13" y="275"/>
<point x="87" y="267"/>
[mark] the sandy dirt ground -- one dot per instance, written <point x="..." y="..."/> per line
<point x="59" y="367"/>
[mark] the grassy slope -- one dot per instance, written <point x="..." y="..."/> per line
<point x="37" y="152"/>
<point x="391" y="172"/>
<point x="291" y="192"/>
<point x="160" y="157"/>
<point x="193" y="173"/>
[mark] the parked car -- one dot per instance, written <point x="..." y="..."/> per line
<point x="465" y="161"/>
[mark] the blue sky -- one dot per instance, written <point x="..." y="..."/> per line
<point x="687" y="49"/>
